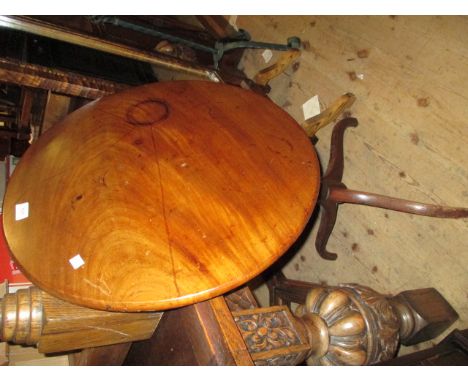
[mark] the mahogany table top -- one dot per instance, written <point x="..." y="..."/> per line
<point x="160" y="196"/>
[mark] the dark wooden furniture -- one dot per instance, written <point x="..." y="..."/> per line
<point x="83" y="31"/>
<point x="33" y="69"/>
<point x="345" y="325"/>
<point x="451" y="351"/>
<point x="199" y="334"/>
<point x="76" y="57"/>
<point x="33" y="317"/>
<point x="359" y="325"/>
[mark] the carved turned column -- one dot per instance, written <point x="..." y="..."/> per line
<point x="21" y="317"/>
<point x="359" y="325"/>
<point x="345" y="325"/>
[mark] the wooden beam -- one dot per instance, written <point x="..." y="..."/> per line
<point x="58" y="81"/>
<point x="41" y="28"/>
<point x="33" y="317"/>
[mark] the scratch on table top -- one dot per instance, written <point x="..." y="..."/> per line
<point x="165" y="216"/>
<point x="105" y="289"/>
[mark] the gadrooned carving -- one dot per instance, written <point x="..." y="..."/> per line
<point x="361" y="323"/>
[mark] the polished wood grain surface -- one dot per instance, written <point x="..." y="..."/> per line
<point x="167" y="194"/>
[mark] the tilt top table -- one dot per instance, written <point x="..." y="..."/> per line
<point x="160" y="196"/>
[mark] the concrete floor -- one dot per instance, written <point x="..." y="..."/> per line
<point x="409" y="75"/>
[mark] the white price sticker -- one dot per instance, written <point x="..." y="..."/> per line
<point x="76" y="261"/>
<point x="311" y="108"/>
<point x="267" y="55"/>
<point x="21" y="211"/>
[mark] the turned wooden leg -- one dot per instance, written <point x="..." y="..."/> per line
<point x="358" y="325"/>
<point x="349" y="325"/>
<point x="32" y="317"/>
<point x="334" y="192"/>
<point x="330" y="114"/>
<point x="355" y="325"/>
<point x="263" y="77"/>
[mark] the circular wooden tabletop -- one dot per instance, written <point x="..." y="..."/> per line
<point x="160" y="196"/>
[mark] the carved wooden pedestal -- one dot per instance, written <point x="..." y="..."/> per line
<point x="359" y="325"/>
<point x="355" y="325"/>
<point x="345" y="325"/>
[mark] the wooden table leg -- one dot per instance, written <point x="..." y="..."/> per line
<point x="355" y="325"/>
<point x="199" y="334"/>
<point x="334" y="192"/>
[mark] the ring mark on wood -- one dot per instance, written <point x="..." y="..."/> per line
<point x="148" y="112"/>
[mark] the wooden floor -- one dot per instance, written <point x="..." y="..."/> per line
<point x="410" y="76"/>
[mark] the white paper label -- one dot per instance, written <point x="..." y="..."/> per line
<point x="21" y="211"/>
<point x="76" y="261"/>
<point x="233" y="20"/>
<point x="267" y="55"/>
<point x="311" y="108"/>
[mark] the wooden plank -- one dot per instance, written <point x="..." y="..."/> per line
<point x="33" y="317"/>
<point x="26" y="102"/>
<point x="4" y="348"/>
<point x="30" y="356"/>
<point x="218" y="26"/>
<point x="111" y="355"/>
<point x="57" y="107"/>
<point x="96" y="335"/>
<point x="36" y="76"/>
<point x="4" y="354"/>
<point x="230" y="332"/>
<point x="411" y="143"/>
